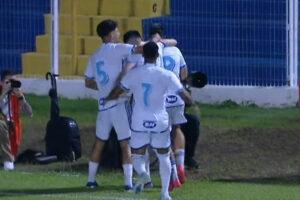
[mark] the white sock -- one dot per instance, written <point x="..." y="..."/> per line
<point x="174" y="170"/>
<point x="93" y="167"/>
<point x="165" y="172"/>
<point x="127" y="169"/>
<point x="147" y="163"/>
<point x="138" y="163"/>
<point x="179" y="156"/>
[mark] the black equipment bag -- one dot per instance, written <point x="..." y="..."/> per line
<point x="62" y="133"/>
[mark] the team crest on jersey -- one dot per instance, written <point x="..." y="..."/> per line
<point x="149" y="124"/>
<point x="171" y="99"/>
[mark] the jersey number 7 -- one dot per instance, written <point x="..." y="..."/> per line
<point x="147" y="90"/>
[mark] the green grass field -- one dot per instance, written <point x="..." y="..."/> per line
<point x="268" y="166"/>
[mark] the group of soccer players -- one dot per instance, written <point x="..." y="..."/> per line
<point x="142" y="97"/>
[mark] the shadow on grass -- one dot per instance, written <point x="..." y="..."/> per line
<point x="290" y="180"/>
<point x="52" y="191"/>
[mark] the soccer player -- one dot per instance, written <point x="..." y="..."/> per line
<point x="174" y="62"/>
<point x="150" y="122"/>
<point x="102" y="72"/>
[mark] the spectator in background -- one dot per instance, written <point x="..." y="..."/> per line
<point x="12" y="100"/>
<point x="191" y="131"/>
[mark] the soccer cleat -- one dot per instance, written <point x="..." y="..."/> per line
<point x="165" y="197"/>
<point x="91" y="184"/>
<point x="8" y="166"/>
<point x="148" y="185"/>
<point x="181" y="174"/>
<point x="139" y="185"/>
<point x="128" y="188"/>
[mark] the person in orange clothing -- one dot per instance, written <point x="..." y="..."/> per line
<point x="12" y="101"/>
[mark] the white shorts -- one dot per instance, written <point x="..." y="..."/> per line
<point x="114" y="117"/>
<point x="156" y="140"/>
<point x="176" y="115"/>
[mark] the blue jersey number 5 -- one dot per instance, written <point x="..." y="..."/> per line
<point x="103" y="77"/>
<point x="147" y="90"/>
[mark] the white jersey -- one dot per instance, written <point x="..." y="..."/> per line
<point x="149" y="85"/>
<point x="138" y="59"/>
<point x="160" y="60"/>
<point x="104" y="66"/>
<point x="174" y="62"/>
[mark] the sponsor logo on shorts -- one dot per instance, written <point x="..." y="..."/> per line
<point x="149" y="124"/>
<point x="171" y="99"/>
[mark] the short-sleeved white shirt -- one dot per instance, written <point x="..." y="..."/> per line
<point x="174" y="62"/>
<point x="104" y="66"/>
<point x="149" y="85"/>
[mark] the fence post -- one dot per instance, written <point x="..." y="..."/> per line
<point x="293" y="43"/>
<point x="54" y="36"/>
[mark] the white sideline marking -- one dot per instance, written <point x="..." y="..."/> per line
<point x="70" y="196"/>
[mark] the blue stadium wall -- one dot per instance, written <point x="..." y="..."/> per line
<point x="234" y="42"/>
<point x="20" y="22"/>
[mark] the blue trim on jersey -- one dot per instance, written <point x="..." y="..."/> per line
<point x="105" y="109"/>
<point x="140" y="147"/>
<point x="154" y="132"/>
<point x="88" y="77"/>
<point x="179" y="123"/>
<point x="174" y="106"/>
<point x="164" y="44"/>
<point x="132" y="49"/>
<point x="128" y="111"/>
<point x="124" y="139"/>
<point x="160" y="147"/>
<point x="183" y="66"/>
<point x="124" y="88"/>
<point x="101" y="139"/>
<point x="180" y="90"/>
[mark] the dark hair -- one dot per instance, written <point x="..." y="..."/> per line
<point x="130" y="35"/>
<point x="105" y="27"/>
<point x="6" y="73"/>
<point x="150" y="50"/>
<point x="156" y="28"/>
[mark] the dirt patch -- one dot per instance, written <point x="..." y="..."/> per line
<point x="239" y="154"/>
<point x="247" y="153"/>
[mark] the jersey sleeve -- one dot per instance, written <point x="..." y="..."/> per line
<point x="174" y="84"/>
<point x="125" y="49"/>
<point x="182" y="61"/>
<point x="89" y="71"/>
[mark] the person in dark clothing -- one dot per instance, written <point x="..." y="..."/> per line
<point x="191" y="131"/>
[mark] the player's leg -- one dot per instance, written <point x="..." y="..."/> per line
<point x="191" y="130"/>
<point x="121" y="125"/>
<point x="162" y="142"/>
<point x="103" y="127"/>
<point x="178" y="147"/>
<point x="147" y="165"/>
<point x="139" y="142"/>
<point x="178" y="141"/>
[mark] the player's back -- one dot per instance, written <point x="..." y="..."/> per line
<point x="173" y="60"/>
<point x="105" y="66"/>
<point x="149" y="85"/>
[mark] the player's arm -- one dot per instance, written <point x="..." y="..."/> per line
<point x="183" y="73"/>
<point x="91" y="83"/>
<point x="186" y="97"/>
<point x="166" y="41"/>
<point x="169" y="42"/>
<point x="115" y="93"/>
